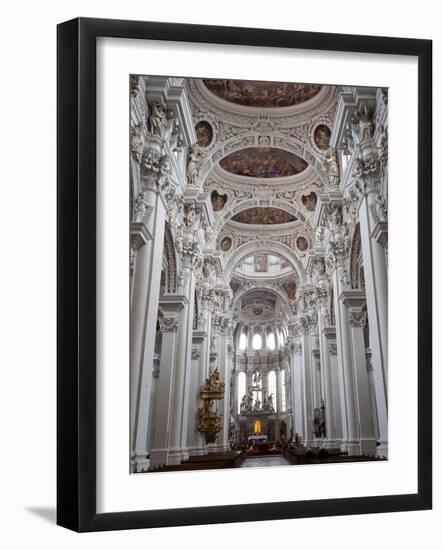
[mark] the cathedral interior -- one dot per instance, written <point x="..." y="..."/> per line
<point x="258" y="269"/>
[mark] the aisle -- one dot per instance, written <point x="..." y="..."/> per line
<point x="261" y="461"/>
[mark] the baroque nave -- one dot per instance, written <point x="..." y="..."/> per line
<point x="258" y="269"/>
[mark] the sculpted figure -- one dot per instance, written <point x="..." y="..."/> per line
<point x="380" y="208"/>
<point x="137" y="141"/>
<point x="249" y="401"/>
<point x="243" y="404"/>
<point x="193" y="164"/>
<point x="141" y="205"/>
<point x="157" y="119"/>
<point x="190" y="216"/>
<point x="319" y="233"/>
<point x="330" y="166"/>
<point x="366" y="127"/>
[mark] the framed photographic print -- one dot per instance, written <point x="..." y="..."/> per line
<point x="244" y="274"/>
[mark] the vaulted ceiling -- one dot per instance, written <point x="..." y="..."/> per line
<point x="252" y="93"/>
<point x="261" y="145"/>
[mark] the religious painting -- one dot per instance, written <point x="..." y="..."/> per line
<point x="204" y="133"/>
<point x="259" y="296"/>
<point x="262" y="94"/>
<point x="322" y="135"/>
<point x="218" y="201"/>
<point x="263" y="162"/>
<point x="261" y="263"/>
<point x="226" y="244"/>
<point x="235" y="284"/>
<point x="309" y="201"/>
<point x="263" y="216"/>
<point x="290" y="288"/>
<point x="302" y="244"/>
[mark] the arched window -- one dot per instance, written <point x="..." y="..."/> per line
<point x="271" y="341"/>
<point x="272" y="385"/>
<point x="241" y="388"/>
<point x="283" y="391"/>
<point x="257" y="341"/>
<point x="242" y="341"/>
<point x="280" y="338"/>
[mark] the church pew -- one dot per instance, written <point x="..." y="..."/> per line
<point x="205" y="462"/>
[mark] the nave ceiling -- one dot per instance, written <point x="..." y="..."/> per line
<point x="260" y="147"/>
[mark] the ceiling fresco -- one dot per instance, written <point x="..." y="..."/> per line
<point x="322" y="136"/>
<point x="302" y="244"/>
<point x="263" y="216"/>
<point x="204" y="133"/>
<point x="218" y="201"/>
<point x="309" y="201"/>
<point x="253" y="93"/>
<point x="263" y="162"/>
<point x="259" y="296"/>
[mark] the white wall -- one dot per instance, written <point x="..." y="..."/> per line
<point x="27" y="233"/>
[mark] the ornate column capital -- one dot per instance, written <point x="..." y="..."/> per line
<point x="366" y="176"/>
<point x="168" y="324"/>
<point x="357" y="318"/>
<point x="336" y="259"/>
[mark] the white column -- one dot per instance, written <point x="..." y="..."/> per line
<point x="316" y="385"/>
<point x="333" y="395"/>
<point x="345" y="362"/>
<point x="279" y="390"/>
<point x="225" y="376"/>
<point x="170" y="306"/>
<point x="355" y="301"/>
<point x="145" y="296"/>
<point x="153" y="404"/>
<point x="375" y="272"/>
<point x="297" y="395"/>
<point x="308" y="405"/>
<point x="367" y="185"/>
<point x="196" y="444"/>
<point x="183" y="364"/>
<point x="372" y="394"/>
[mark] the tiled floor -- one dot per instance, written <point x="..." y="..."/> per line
<point x="262" y="461"/>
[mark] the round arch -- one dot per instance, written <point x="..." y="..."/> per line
<point x="273" y="203"/>
<point x="259" y="286"/>
<point x="265" y="247"/>
<point x="278" y="141"/>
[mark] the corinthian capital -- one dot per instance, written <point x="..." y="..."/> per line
<point x="366" y="175"/>
<point x="307" y="323"/>
<point x="337" y="253"/>
<point x="357" y="318"/>
<point x="168" y="324"/>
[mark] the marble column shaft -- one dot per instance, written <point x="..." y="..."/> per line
<point x="146" y="290"/>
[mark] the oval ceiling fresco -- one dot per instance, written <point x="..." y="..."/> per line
<point x="253" y="93"/>
<point x="263" y="162"/>
<point x="263" y="216"/>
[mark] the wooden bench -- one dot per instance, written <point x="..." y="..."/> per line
<point x="206" y="462"/>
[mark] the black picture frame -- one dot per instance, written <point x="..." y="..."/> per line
<point x="76" y="281"/>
